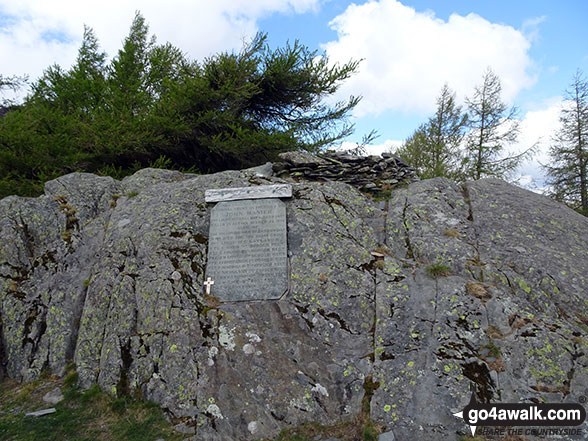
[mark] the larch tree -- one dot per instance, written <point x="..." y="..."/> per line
<point x="567" y="171"/>
<point x="433" y="149"/>
<point x="492" y="127"/>
<point x="151" y="106"/>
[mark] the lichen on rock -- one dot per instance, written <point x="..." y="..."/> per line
<point x="123" y="298"/>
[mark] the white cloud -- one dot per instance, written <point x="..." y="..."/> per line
<point x="373" y="149"/>
<point x="537" y="128"/>
<point x="408" y="55"/>
<point x="198" y="27"/>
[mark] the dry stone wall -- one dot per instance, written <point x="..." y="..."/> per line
<point x="372" y="174"/>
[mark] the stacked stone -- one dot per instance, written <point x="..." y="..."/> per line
<point x="368" y="173"/>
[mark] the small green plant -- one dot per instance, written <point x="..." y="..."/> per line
<point x="161" y="162"/>
<point x="438" y="270"/>
<point x="70" y="384"/>
<point x="383" y="195"/>
<point x="115" y="198"/>
<point x="119" y="405"/>
<point x="86" y="283"/>
<point x="494" y="350"/>
<point x="370" y="433"/>
<point x="91" y="395"/>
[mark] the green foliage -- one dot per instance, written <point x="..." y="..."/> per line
<point x="152" y="106"/>
<point x="91" y="395"/>
<point x="492" y="127"/>
<point x="494" y="350"/>
<point x="433" y="149"/>
<point x="71" y="379"/>
<point x="568" y="168"/>
<point x="13" y="83"/>
<point x="438" y="270"/>
<point x="370" y="433"/>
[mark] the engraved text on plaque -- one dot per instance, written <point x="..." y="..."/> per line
<point x="247" y="250"/>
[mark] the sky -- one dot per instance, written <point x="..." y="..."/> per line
<point x="408" y="50"/>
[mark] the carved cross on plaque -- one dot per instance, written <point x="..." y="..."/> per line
<point x="209" y="282"/>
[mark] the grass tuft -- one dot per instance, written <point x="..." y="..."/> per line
<point x="438" y="270"/>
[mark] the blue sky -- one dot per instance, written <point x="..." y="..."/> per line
<point x="409" y="48"/>
<point x="557" y="33"/>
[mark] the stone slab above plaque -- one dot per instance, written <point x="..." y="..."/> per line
<point x="247" y="250"/>
<point x="254" y="192"/>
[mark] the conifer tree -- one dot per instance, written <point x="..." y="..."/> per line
<point x="568" y="169"/>
<point x="492" y="127"/>
<point x="13" y="82"/>
<point x="151" y="105"/>
<point x="433" y="149"/>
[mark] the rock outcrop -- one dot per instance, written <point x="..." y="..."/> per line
<point x="409" y="303"/>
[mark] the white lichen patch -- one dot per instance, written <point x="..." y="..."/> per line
<point x="320" y="389"/>
<point x="248" y="349"/>
<point x="123" y="222"/>
<point x="215" y="411"/>
<point x="212" y="352"/>
<point x="253" y="338"/>
<point x="226" y="338"/>
<point x="441" y="218"/>
<point x="253" y="427"/>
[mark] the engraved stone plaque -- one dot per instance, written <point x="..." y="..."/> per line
<point x="247" y="250"/>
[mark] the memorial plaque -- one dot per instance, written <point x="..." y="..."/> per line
<point x="247" y="249"/>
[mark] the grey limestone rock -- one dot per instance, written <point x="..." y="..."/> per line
<point x="54" y="396"/>
<point x="441" y="290"/>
